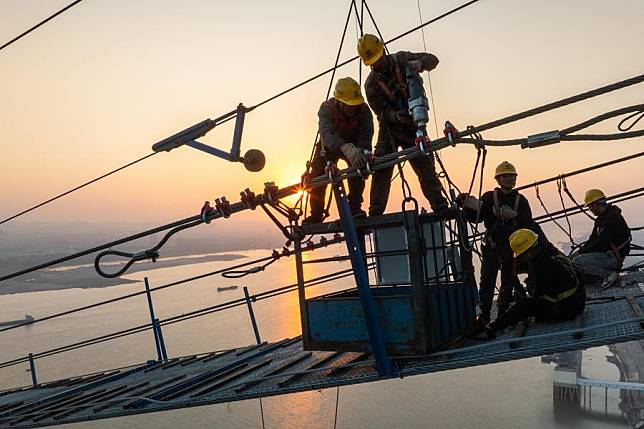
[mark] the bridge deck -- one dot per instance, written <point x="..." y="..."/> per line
<point x="611" y="316"/>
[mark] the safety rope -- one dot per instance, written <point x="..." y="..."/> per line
<point x="429" y="76"/>
<point x="545" y="209"/>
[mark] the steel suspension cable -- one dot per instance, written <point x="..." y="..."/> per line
<point x="23" y="34"/>
<point x="77" y="188"/>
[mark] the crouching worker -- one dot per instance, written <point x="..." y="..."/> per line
<point x="559" y="291"/>
<point x="346" y="130"/>
<point x="603" y="254"/>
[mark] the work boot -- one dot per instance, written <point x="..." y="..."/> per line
<point x="484" y="333"/>
<point x="358" y="213"/>
<point x="313" y="218"/>
<point x="481" y="321"/>
<point x="446" y="213"/>
<point x="611" y="280"/>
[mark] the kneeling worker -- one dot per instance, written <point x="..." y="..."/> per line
<point x="609" y="243"/>
<point x="559" y="292"/>
<point x="346" y="130"/>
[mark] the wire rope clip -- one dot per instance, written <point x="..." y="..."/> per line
<point x="330" y="170"/>
<point x="270" y="192"/>
<point x="248" y="198"/>
<point x="223" y="207"/>
<point x="368" y="169"/>
<point x="451" y="133"/>
<point x="422" y="142"/>
<point x="206" y="210"/>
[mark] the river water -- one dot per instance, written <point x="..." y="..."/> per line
<point x="515" y="394"/>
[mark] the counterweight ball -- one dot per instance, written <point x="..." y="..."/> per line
<point x="254" y="160"/>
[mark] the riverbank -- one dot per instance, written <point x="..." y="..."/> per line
<point x="85" y="277"/>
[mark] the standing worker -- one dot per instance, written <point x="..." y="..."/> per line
<point x="346" y="131"/>
<point x="502" y="210"/>
<point x="386" y="90"/>
<point x="559" y="293"/>
<point x="609" y="243"/>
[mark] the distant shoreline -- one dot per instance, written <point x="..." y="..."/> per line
<point x="87" y="278"/>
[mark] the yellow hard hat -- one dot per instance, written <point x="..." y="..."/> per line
<point x="593" y="195"/>
<point x="521" y="240"/>
<point x="504" y="168"/>
<point x="370" y="49"/>
<point x="347" y="91"/>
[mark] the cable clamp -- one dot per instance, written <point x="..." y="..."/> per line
<point x="422" y="142"/>
<point x="223" y="207"/>
<point x="270" y="192"/>
<point x="206" y="211"/>
<point x="542" y="139"/>
<point x="248" y="198"/>
<point x="145" y="254"/>
<point x="330" y="170"/>
<point x="451" y="133"/>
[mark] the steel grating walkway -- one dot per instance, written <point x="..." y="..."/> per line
<point x="612" y="316"/>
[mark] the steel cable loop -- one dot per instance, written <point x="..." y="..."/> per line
<point x="637" y="108"/>
<point x="621" y="126"/>
<point x="236" y="274"/>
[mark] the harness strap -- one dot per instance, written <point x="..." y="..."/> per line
<point x="561" y="296"/>
<point x="615" y="249"/>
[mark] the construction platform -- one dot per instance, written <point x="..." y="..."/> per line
<point x="611" y="316"/>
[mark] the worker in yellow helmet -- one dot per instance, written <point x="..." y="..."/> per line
<point x="387" y="96"/>
<point x="345" y="124"/>
<point x="559" y="294"/>
<point x="502" y="210"/>
<point x="609" y="243"/>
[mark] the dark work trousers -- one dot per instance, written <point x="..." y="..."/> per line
<point x="356" y="184"/>
<point x="491" y="261"/>
<point x="542" y="310"/>
<point x="423" y="167"/>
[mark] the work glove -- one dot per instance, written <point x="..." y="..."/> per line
<point x="354" y="154"/>
<point x="416" y="65"/>
<point x="464" y="200"/>
<point x="400" y="117"/>
<point x="506" y="213"/>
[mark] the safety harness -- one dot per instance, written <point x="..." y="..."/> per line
<point x="347" y="127"/>
<point x="566" y="263"/>
<point x="495" y="199"/>
<point x="399" y="85"/>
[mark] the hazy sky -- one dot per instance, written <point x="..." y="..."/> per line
<point x="97" y="86"/>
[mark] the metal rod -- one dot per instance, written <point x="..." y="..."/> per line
<point x="252" y="315"/>
<point x="374" y="327"/>
<point x="164" y="353"/>
<point x="157" y="343"/>
<point x="301" y="292"/>
<point x="32" y="369"/>
<point x="237" y="134"/>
